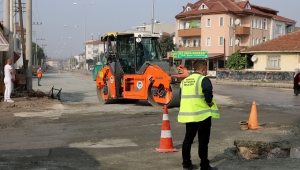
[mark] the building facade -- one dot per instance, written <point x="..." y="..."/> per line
<point x="225" y="26"/>
<point x="271" y="57"/>
<point x="93" y="49"/>
<point x="158" y="27"/>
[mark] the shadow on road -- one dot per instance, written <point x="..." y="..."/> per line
<point x="72" y="97"/>
<point x="49" y="158"/>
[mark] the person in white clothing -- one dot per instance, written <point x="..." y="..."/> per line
<point x="8" y="76"/>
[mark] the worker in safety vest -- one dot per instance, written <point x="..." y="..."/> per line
<point x="197" y="107"/>
<point x="39" y="73"/>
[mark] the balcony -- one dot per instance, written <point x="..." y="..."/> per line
<point x="240" y="30"/>
<point x="190" y="32"/>
<point x="181" y="48"/>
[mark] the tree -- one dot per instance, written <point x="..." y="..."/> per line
<point x="236" y="61"/>
<point x="166" y="44"/>
<point x="36" y="49"/>
<point x="73" y="62"/>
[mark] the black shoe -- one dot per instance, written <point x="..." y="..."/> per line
<point x="209" y="168"/>
<point x="295" y="94"/>
<point x="194" y="166"/>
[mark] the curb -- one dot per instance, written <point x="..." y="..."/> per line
<point x="286" y="86"/>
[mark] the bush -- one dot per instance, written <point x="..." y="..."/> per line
<point x="236" y="61"/>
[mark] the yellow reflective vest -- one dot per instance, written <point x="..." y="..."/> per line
<point x="193" y="107"/>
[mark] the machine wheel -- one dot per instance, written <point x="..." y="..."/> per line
<point x="175" y="102"/>
<point x="105" y="99"/>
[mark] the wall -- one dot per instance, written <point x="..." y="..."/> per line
<point x="90" y="47"/>
<point x="275" y="35"/>
<point x="268" y="76"/>
<point x="288" y="62"/>
<point x="214" y="32"/>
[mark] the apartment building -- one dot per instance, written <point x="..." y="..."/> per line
<point x="94" y="48"/>
<point x="225" y="26"/>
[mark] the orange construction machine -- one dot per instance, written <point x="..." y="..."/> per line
<point x="134" y="70"/>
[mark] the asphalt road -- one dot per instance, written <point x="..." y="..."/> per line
<point x="82" y="134"/>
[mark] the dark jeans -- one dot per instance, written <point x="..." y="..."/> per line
<point x="203" y="129"/>
<point x="39" y="80"/>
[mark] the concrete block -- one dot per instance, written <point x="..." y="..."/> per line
<point x="277" y="153"/>
<point x="295" y="152"/>
<point x="248" y="153"/>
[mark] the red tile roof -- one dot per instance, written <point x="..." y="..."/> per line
<point x="286" y="43"/>
<point x="94" y="42"/>
<point x="224" y="6"/>
<point x="281" y="18"/>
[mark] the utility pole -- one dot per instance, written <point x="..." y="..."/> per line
<point x="6" y="25"/>
<point x="11" y="30"/>
<point x="29" y="42"/>
<point x="152" y="17"/>
<point x="23" y="39"/>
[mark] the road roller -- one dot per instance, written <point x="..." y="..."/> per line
<point x="134" y="70"/>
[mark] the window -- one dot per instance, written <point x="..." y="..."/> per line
<point x="221" y="41"/>
<point x="257" y="23"/>
<point x="273" y="62"/>
<point x="230" y="41"/>
<point x="194" y="43"/>
<point x="188" y="8"/>
<point x="199" y="24"/>
<point x="264" y="39"/>
<point x="298" y="58"/>
<point x="260" y="24"/>
<point x="179" y="42"/>
<point x="289" y="29"/>
<point x="184" y="43"/>
<point x="230" y="21"/>
<point x="253" y="41"/>
<point x="257" y="41"/>
<point x="203" y="6"/>
<point x="260" y="40"/>
<point x="278" y="29"/>
<point x="188" y="43"/>
<point x="248" y="6"/>
<point x="207" y="41"/>
<point x="186" y="25"/>
<point x="253" y="23"/>
<point x="199" y="42"/>
<point x="221" y="21"/>
<point x="239" y="41"/>
<point x="265" y="24"/>
<point x="208" y="24"/>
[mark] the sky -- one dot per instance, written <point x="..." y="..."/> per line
<point x="110" y="15"/>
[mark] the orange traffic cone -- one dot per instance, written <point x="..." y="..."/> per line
<point x="166" y="142"/>
<point x="253" y="120"/>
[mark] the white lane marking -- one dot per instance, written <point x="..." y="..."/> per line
<point x="106" y="143"/>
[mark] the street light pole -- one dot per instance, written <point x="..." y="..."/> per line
<point x="84" y="33"/>
<point x="152" y="17"/>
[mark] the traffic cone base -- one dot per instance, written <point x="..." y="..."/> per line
<point x="166" y="142"/>
<point x="253" y="120"/>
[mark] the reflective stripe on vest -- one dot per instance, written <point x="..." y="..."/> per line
<point x="193" y="105"/>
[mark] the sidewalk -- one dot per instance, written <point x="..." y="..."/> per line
<point x="254" y="84"/>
